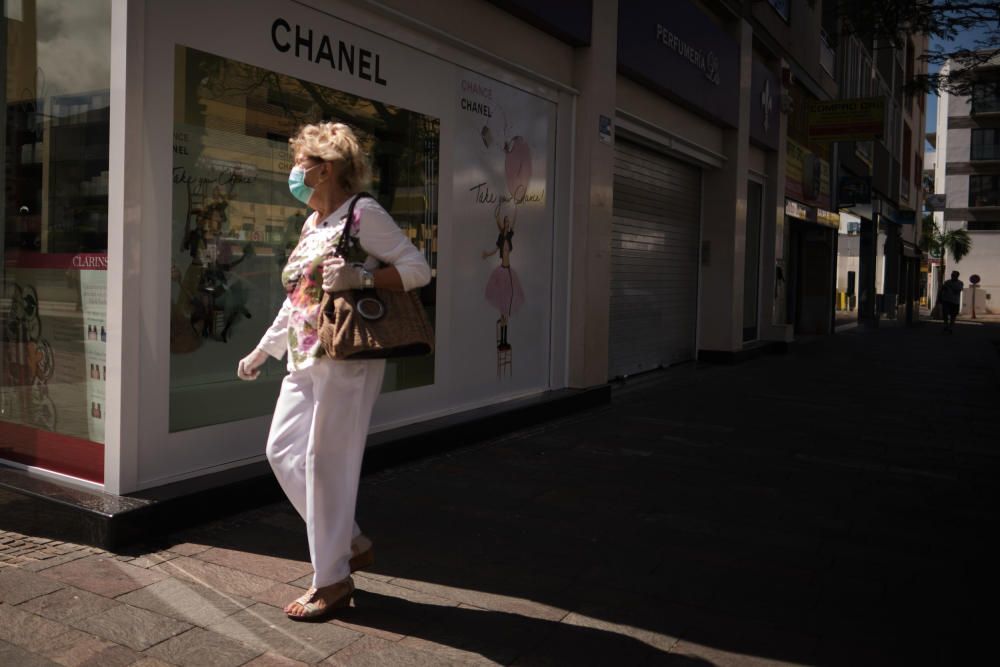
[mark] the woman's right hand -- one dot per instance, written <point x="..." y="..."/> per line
<point x="249" y="366"/>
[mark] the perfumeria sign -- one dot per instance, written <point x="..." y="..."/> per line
<point x="707" y="62"/>
<point x="676" y="50"/>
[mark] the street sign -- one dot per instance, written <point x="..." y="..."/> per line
<point x="974" y="279"/>
<point x="859" y="119"/>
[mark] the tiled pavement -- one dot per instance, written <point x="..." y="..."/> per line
<point x="830" y="506"/>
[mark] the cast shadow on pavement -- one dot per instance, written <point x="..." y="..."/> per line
<point x="797" y="509"/>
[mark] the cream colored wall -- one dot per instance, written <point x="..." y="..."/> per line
<point x="647" y="105"/>
<point x="492" y="29"/>
<point x="593" y="184"/>
<point x="723" y="224"/>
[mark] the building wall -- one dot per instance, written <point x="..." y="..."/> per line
<point x="495" y="31"/>
<point x="959" y="144"/>
<point x="984" y="260"/>
<point x="799" y="38"/>
<point x="642" y="102"/>
<point x="957" y="189"/>
<point x="984" y="256"/>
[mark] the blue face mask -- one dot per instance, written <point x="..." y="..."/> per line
<point x="297" y="184"/>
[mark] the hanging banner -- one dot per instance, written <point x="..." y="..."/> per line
<point x="807" y="176"/>
<point x="860" y="119"/>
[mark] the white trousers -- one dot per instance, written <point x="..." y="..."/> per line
<point x="315" y="447"/>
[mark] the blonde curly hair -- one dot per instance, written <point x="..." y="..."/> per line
<point x="337" y="144"/>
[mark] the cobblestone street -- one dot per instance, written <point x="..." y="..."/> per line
<point x="833" y="505"/>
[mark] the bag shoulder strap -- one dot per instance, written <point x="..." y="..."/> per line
<point x="345" y="236"/>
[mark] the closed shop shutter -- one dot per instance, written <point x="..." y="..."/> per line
<point x="654" y="260"/>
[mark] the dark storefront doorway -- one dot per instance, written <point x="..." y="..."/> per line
<point x="811" y="277"/>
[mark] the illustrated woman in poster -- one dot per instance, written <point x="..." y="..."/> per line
<point x="503" y="289"/>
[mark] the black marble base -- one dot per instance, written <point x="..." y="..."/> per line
<point x="44" y="508"/>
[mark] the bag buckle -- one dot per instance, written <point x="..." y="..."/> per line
<point x="370" y="308"/>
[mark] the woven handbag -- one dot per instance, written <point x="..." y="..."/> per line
<point x="374" y="323"/>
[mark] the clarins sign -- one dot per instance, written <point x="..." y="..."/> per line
<point x="677" y="50"/>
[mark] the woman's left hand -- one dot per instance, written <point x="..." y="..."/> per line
<point x="339" y="276"/>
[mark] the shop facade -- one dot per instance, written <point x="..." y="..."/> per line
<point x="811" y="224"/>
<point x="148" y="217"/>
<point x="638" y="160"/>
<point x="697" y="164"/>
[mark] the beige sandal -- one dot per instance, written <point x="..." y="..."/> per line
<point x="362" y="553"/>
<point x="320" y="603"/>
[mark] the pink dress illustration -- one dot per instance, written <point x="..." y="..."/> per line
<point x="503" y="289"/>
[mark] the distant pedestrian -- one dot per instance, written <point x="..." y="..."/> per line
<point x="950" y="297"/>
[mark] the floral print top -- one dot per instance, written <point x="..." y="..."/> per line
<point x="296" y="328"/>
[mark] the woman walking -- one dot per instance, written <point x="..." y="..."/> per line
<point x="321" y="419"/>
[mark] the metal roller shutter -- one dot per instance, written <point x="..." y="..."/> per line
<point x="654" y="260"/>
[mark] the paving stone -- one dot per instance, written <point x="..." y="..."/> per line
<point x="444" y="653"/>
<point x="279" y="595"/>
<point x="278" y="569"/>
<point x="151" y="662"/>
<point x="575" y="645"/>
<point x="377" y="576"/>
<point x="15" y="656"/>
<point x="497" y="636"/>
<point x="375" y="652"/>
<point x="199" y="647"/>
<point x="42" y="565"/>
<point x="217" y="577"/>
<point x="17" y="586"/>
<point x="657" y="640"/>
<point x="726" y="658"/>
<point x="382" y="592"/>
<point x="151" y="559"/>
<point x="186" y="601"/>
<point x="103" y="575"/>
<point x="78" y="649"/>
<point x="268" y="629"/>
<point x="26" y="629"/>
<point x="188" y="548"/>
<point x="69" y="604"/>
<point x="133" y="627"/>
<point x="484" y="600"/>
<point x="274" y="660"/>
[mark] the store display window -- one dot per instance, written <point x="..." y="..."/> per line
<point x="56" y="111"/>
<point x="234" y="221"/>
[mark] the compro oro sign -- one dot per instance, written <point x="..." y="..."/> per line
<point x="860" y="119"/>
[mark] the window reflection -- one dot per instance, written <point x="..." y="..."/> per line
<point x="55" y="108"/>
<point x="235" y="222"/>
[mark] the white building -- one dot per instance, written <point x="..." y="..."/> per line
<point x="967" y="172"/>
